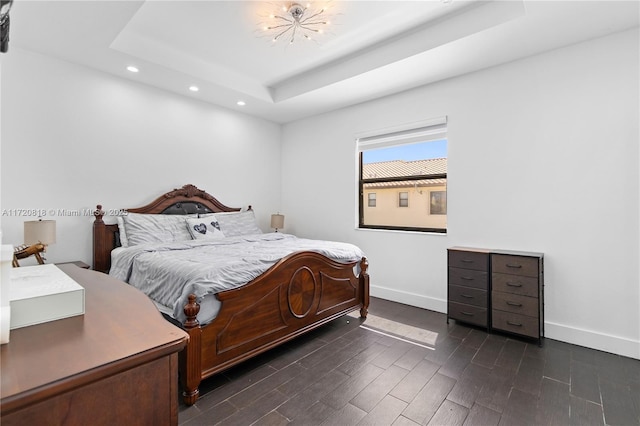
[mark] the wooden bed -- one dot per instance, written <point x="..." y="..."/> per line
<point x="299" y="293"/>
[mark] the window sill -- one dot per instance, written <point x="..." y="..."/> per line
<point x="398" y="231"/>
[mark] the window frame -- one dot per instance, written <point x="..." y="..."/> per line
<point x="392" y="137"/>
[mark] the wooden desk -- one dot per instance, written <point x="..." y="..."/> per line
<point x="78" y="263"/>
<point x="116" y="364"/>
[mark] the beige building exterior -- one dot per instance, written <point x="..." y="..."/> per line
<point x="416" y="203"/>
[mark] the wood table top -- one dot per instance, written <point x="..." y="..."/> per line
<point x="121" y="328"/>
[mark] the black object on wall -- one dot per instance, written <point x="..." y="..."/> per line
<point x="5" y="6"/>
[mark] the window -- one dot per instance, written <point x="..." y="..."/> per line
<point x="438" y="204"/>
<point x="399" y="164"/>
<point x="403" y="199"/>
<point x="372" y="199"/>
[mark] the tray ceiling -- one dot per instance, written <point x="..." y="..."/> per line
<point x="371" y="49"/>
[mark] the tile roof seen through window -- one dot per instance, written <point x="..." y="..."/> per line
<point x="395" y="168"/>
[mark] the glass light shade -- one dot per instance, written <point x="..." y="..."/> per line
<point x="277" y="221"/>
<point x="40" y="231"/>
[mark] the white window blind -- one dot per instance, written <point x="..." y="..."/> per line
<point x="425" y="131"/>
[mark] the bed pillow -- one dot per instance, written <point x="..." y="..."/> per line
<point x="235" y="224"/>
<point x="122" y="233"/>
<point x="155" y="228"/>
<point x="205" y="228"/>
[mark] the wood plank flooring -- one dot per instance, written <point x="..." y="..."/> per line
<point x="344" y="374"/>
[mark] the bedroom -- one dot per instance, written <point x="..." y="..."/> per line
<point x="543" y="156"/>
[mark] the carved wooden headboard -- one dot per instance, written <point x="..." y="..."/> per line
<point x="186" y="200"/>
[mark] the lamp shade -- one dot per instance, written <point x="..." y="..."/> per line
<point x="40" y="231"/>
<point x="277" y="221"/>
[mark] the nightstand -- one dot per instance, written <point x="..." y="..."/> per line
<point x="78" y="263"/>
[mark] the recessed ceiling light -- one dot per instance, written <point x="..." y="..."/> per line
<point x="194" y="88"/>
<point x="132" y="68"/>
<point x="241" y="103"/>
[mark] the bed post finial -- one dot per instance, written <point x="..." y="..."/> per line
<point x="364" y="265"/>
<point x="191" y="310"/>
<point x="98" y="213"/>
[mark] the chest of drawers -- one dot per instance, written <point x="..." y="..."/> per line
<point x="513" y="283"/>
<point x="468" y="286"/>
<point x="517" y="294"/>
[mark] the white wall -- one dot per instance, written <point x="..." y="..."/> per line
<point x="73" y="138"/>
<point x="543" y="156"/>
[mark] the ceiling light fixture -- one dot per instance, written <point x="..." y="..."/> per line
<point x="194" y="88"/>
<point x="132" y="68"/>
<point x="241" y="103"/>
<point x="294" y="21"/>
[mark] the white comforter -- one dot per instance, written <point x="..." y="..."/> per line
<point x="169" y="272"/>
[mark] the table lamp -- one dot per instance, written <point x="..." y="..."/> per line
<point x="277" y="221"/>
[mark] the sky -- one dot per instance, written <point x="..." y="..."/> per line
<point x="409" y="152"/>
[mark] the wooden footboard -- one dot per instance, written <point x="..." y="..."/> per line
<point x="301" y="292"/>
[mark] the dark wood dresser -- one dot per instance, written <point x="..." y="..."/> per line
<point x="468" y="286"/>
<point x="116" y="364"/>
<point x="514" y="290"/>
<point x="517" y="298"/>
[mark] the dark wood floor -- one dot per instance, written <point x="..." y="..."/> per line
<point x="344" y="374"/>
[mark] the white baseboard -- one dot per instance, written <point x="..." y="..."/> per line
<point x="592" y="339"/>
<point x="588" y="338"/>
<point x="412" y="299"/>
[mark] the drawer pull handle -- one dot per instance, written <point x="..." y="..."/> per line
<point x="466" y="260"/>
<point x="517" y="324"/>
<point x="469" y="314"/>
<point x="467" y="296"/>
<point x="514" y="304"/>
<point x="510" y="284"/>
<point x="467" y="278"/>
<point x="514" y="266"/>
